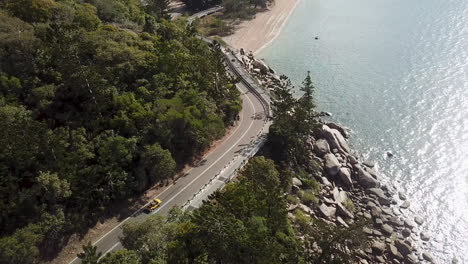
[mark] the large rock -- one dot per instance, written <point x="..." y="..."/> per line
<point x="378" y="247"/>
<point x="395" y="221"/>
<point x="367" y="231"/>
<point x="332" y="165"/>
<point x="321" y="147"/>
<point x="402" y="196"/>
<point x="345" y="176"/>
<point x="335" y="139"/>
<point x="327" y="211"/>
<point x="326" y="182"/>
<point x="376" y="211"/>
<point x="369" y="163"/>
<point x="388" y="230"/>
<point x="245" y="60"/>
<point x="336" y="195"/>
<point x="412" y="259"/>
<point x="406" y="232"/>
<point x="372" y="172"/>
<point x="394" y="251"/>
<point x="405" y="205"/>
<point x="403" y="247"/>
<point x="427" y="257"/>
<point x="291" y="207"/>
<point x="409" y="223"/>
<point x="366" y="180"/>
<point x="257" y="64"/>
<point x="341" y="140"/>
<point x="424" y="236"/>
<point x="296" y="182"/>
<point x="377" y="192"/>
<point x="342" y="130"/>
<point x="342" y="222"/>
<point x="418" y="220"/>
<point x="341" y="210"/>
<point x="343" y="196"/>
<point x="384" y="201"/>
<point x="339" y="196"/>
<point x="353" y="160"/>
<point x="306" y="209"/>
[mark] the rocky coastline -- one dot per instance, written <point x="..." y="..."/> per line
<point x="394" y="235"/>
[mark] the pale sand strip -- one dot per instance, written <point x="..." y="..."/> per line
<point x="254" y="35"/>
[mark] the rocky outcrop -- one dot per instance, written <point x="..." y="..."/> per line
<point x="335" y="139"/>
<point x="321" y="147"/>
<point x="366" y="180"/>
<point x="341" y="210"/>
<point x="345" y="176"/>
<point x="378" y="247"/>
<point x="428" y="257"/>
<point x="403" y="247"/>
<point x="351" y="190"/>
<point x="296" y="182"/>
<point x="341" y="129"/>
<point x="327" y="211"/>
<point x="258" y="64"/>
<point x="332" y="165"/>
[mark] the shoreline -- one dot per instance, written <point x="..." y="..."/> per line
<point x="279" y="30"/>
<point x="394" y="233"/>
<point x="256" y="34"/>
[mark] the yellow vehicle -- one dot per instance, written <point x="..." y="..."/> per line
<point x="155" y="203"/>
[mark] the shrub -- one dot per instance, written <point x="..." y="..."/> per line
<point x="311" y="184"/>
<point x="292" y="199"/>
<point x="349" y="205"/>
<point x="302" y="219"/>
<point x="308" y="197"/>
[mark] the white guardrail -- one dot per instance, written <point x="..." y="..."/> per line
<point x="230" y="170"/>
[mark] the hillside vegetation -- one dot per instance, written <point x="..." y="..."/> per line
<point x="99" y="99"/>
<point x="257" y="218"/>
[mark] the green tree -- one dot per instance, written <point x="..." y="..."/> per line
<point x="337" y="244"/>
<point x="123" y="256"/>
<point x="158" y="163"/>
<point x="89" y="254"/>
<point x="158" y="8"/>
<point x="22" y="246"/>
<point x="149" y="238"/>
<point x="52" y="189"/>
<point x="93" y="110"/>
<point x="307" y="105"/>
<point x="32" y="10"/>
<point x="282" y="132"/>
<point x="294" y="122"/>
<point x="247" y="222"/>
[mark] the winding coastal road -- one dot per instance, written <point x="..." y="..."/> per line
<point x="218" y="165"/>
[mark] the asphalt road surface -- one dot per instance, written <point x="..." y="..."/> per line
<point x="252" y="121"/>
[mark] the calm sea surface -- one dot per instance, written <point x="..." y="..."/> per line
<point x="396" y="73"/>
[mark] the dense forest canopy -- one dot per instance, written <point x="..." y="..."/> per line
<point x="99" y="99"/>
<point x="259" y="217"/>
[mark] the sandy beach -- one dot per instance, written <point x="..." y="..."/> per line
<point x="255" y="34"/>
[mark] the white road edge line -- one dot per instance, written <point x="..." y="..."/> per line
<point x="126" y="219"/>
<point x="190" y="183"/>
<point x="112" y="248"/>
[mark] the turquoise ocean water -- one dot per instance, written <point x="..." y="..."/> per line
<point x="396" y="73"/>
